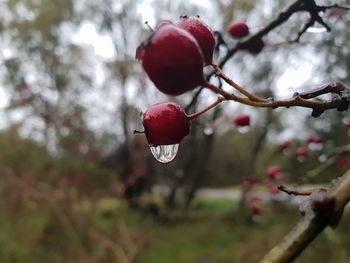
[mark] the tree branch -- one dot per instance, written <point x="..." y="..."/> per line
<point x="311" y="225"/>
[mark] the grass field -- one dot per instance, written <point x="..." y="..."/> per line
<point x="211" y="231"/>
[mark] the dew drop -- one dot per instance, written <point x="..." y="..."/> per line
<point x="301" y="159"/>
<point x="322" y="158"/>
<point x="315" y="146"/>
<point x="164" y="153"/>
<point x="316" y="29"/>
<point x="243" y="129"/>
<point x="208" y="131"/>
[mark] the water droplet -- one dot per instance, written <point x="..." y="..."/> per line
<point x="316" y="29"/>
<point x="164" y="153"/>
<point x="315" y="146"/>
<point x="322" y="158"/>
<point x="301" y="159"/>
<point x="208" y="131"/>
<point x="243" y="129"/>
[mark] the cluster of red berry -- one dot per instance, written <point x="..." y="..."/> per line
<point x="173" y="57"/>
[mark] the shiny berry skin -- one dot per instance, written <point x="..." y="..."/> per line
<point x="301" y="152"/>
<point x="165" y="123"/>
<point x="202" y="33"/>
<point x="255" y="46"/>
<point x="172" y="59"/>
<point x="273" y="171"/>
<point x="238" y="29"/>
<point x="242" y="120"/>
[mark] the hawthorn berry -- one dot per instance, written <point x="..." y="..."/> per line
<point x="301" y="152"/>
<point x="273" y="171"/>
<point x="284" y="145"/>
<point x="254" y="198"/>
<point x="202" y="33"/>
<point x="242" y="120"/>
<point x="165" y="124"/>
<point x="172" y="59"/>
<point x="238" y="29"/>
<point x="314" y="139"/>
<point x="255" y="46"/>
<point x="163" y="22"/>
<point x="255" y="209"/>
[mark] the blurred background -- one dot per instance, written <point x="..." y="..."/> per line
<point x="76" y="185"/>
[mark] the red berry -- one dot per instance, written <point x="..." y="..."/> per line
<point x="274" y="189"/>
<point x="172" y="59"/>
<point x="255" y="209"/>
<point x="242" y="120"/>
<point x="202" y="33"/>
<point x="314" y="139"/>
<point x="165" y="123"/>
<point x="301" y="152"/>
<point x="273" y="171"/>
<point x="255" y="46"/>
<point x="238" y="29"/>
<point x="254" y="198"/>
<point x="284" y="145"/>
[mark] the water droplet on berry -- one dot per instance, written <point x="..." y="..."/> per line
<point x="243" y="129"/>
<point x="322" y="158"/>
<point x="164" y="153"/>
<point x="316" y="29"/>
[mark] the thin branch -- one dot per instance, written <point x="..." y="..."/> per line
<point x="294" y="192"/>
<point x="340" y="102"/>
<point x="197" y="114"/>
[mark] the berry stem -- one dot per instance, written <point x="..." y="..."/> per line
<point x="149" y="27"/>
<point x="199" y="113"/>
<point x="229" y="96"/>
<point x="229" y="81"/>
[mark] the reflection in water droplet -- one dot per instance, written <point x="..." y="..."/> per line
<point x="164" y="153"/>
<point x="243" y="129"/>
<point x="316" y="29"/>
<point x="322" y="158"/>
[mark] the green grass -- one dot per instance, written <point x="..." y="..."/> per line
<point x="211" y="231"/>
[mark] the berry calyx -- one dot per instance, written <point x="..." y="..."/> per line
<point x="165" y="124"/>
<point x="255" y="46"/>
<point x="238" y="29"/>
<point x="202" y="33"/>
<point x="242" y="120"/>
<point x="172" y="59"/>
<point x="163" y="22"/>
